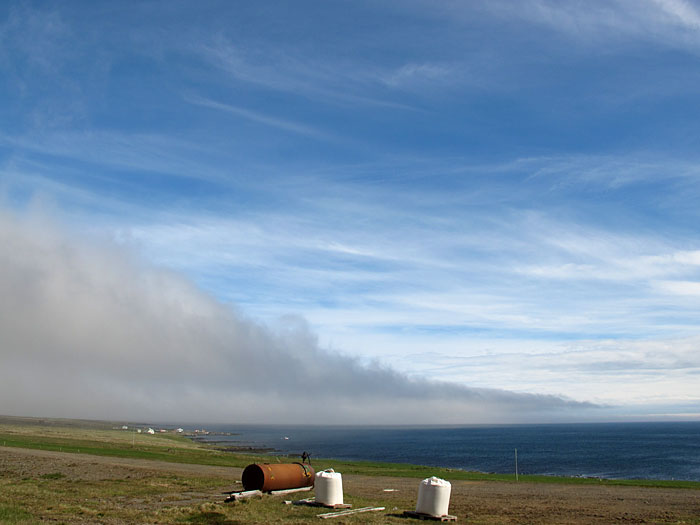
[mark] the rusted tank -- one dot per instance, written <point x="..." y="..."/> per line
<point x="277" y="476"/>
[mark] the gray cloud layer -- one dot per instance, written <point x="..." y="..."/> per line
<point x="89" y="330"/>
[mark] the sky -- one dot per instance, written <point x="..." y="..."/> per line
<point x="397" y="212"/>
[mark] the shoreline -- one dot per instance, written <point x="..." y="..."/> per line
<point x="459" y="472"/>
<point x="546" y="477"/>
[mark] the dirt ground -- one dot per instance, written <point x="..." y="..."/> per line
<point x="471" y="502"/>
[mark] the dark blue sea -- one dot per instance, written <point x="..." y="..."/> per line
<point x="604" y="450"/>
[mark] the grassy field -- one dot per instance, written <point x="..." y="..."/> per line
<point x="77" y="493"/>
<point x="72" y="488"/>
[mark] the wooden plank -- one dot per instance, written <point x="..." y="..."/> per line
<point x="421" y="516"/>
<point x="341" y="513"/>
<point x="235" y="496"/>
<point x="313" y="503"/>
<point x="306" y="501"/>
<point x="289" y="491"/>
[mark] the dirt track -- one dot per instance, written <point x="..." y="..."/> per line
<point x="84" y="466"/>
<point x="473" y="502"/>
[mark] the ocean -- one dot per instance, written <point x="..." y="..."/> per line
<point x="602" y="450"/>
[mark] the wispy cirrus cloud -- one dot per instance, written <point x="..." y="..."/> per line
<point x="140" y="152"/>
<point x="338" y="82"/>
<point x="539" y="274"/>
<point x="683" y="12"/>
<point x="40" y="37"/>
<point x="261" y="118"/>
<point x="654" y="20"/>
<point x="416" y="74"/>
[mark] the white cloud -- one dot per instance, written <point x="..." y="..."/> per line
<point x="623" y="373"/>
<point x="685" y="288"/>
<point x="688" y="257"/>
<point x="525" y="273"/>
<point x="112" y="338"/>
<point x="602" y="23"/>
<point x="681" y="11"/>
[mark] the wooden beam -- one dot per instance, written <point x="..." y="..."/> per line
<point x="328" y="515"/>
<point x="235" y="496"/>
<point x="289" y="491"/>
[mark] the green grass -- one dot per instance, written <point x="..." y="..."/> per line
<point x="53" y="475"/>
<point x="12" y="514"/>
<point x="151" y="499"/>
<point x="209" y="517"/>
<point x="180" y="449"/>
<point x="158" y="450"/>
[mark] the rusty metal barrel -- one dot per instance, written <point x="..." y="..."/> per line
<point x="277" y="476"/>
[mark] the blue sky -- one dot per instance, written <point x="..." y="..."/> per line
<point x="502" y="196"/>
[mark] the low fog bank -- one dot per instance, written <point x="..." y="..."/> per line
<point x="88" y="330"/>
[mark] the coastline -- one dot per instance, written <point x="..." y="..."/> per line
<point x="414" y="470"/>
<point x="240" y="456"/>
<point x="614" y="452"/>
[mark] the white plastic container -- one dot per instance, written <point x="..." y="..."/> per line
<point x="434" y="497"/>
<point x="329" y="487"/>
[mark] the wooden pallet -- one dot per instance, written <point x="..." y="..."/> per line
<point x="421" y="516"/>
<point x="311" y="502"/>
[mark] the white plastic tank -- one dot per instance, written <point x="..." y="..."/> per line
<point x="434" y="497"/>
<point x="329" y="487"/>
